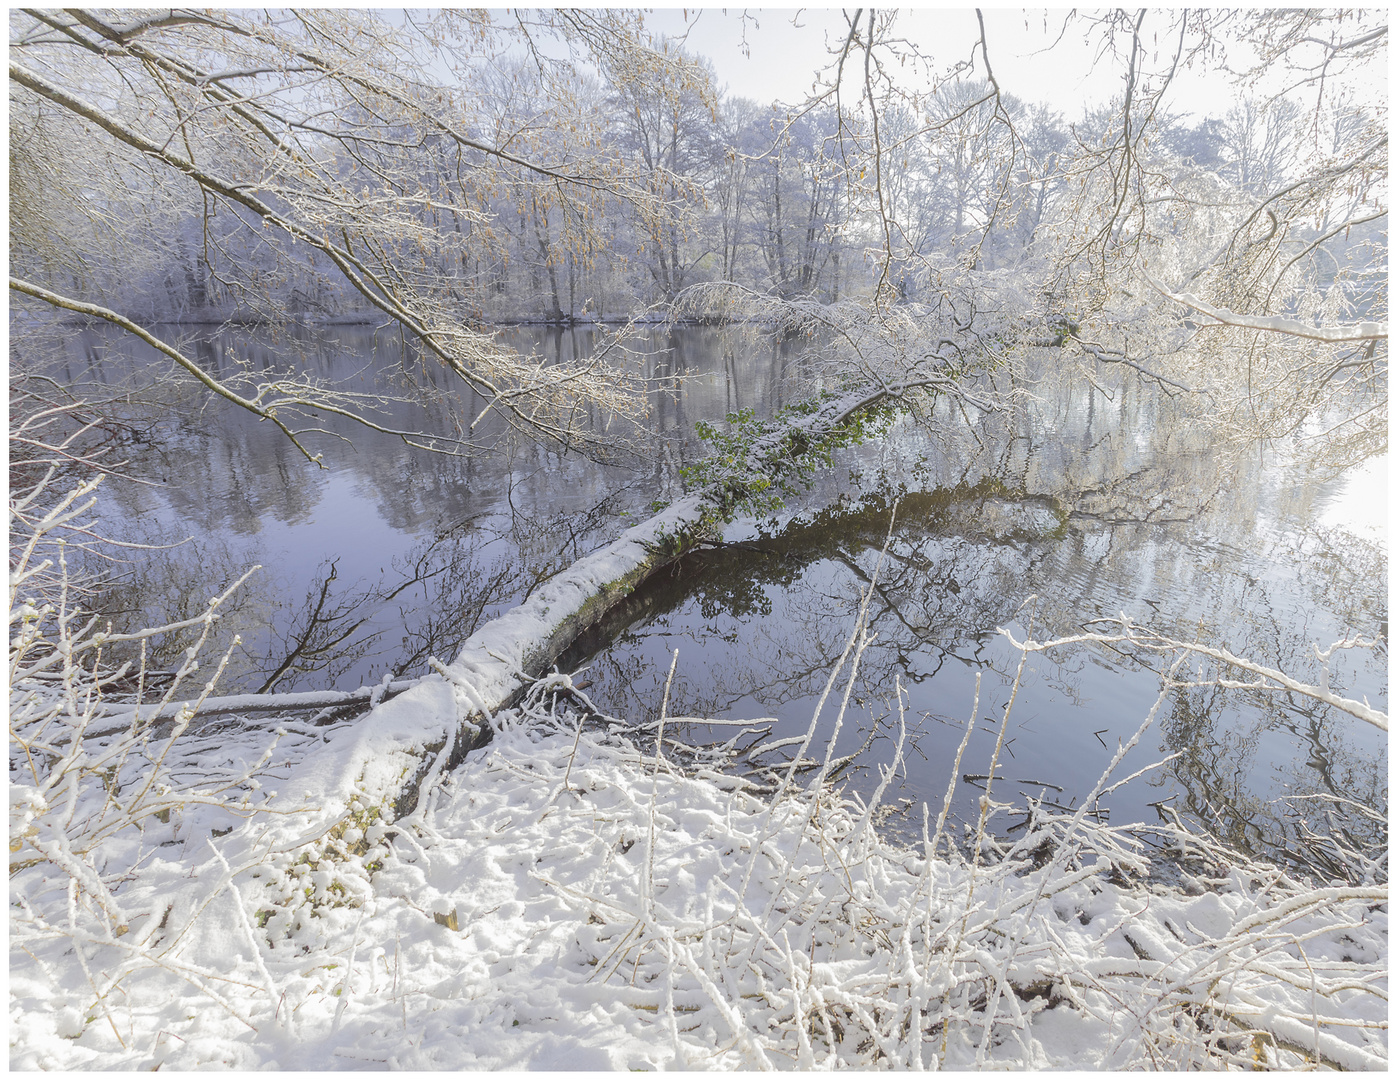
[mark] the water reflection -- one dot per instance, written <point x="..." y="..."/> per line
<point x="1076" y="503"/>
<point x="1026" y="521"/>
<point x="351" y="553"/>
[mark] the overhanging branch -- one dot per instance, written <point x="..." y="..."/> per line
<point x="1275" y="324"/>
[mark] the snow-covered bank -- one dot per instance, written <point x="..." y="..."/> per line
<point x="565" y="899"/>
<point x="189" y="896"/>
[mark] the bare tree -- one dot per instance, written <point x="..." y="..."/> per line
<point x="664" y="121"/>
<point x="1276" y="242"/>
<point x="299" y="142"/>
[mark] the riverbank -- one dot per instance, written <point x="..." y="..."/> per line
<point x="570" y="899"/>
<point x="257" y="320"/>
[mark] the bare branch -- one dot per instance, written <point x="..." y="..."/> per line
<point x="1365" y="331"/>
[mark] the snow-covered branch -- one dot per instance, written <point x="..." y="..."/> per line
<point x="502" y="658"/>
<point x="1276" y="324"/>
<point x="1267" y="679"/>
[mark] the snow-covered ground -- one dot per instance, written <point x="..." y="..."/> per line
<point x="567" y="899"/>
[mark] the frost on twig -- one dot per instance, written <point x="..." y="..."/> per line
<point x="92" y="801"/>
<point x="1265" y="679"/>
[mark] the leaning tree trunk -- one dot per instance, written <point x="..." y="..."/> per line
<point x="433" y="726"/>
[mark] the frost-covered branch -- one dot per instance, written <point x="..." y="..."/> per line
<point x="333" y="98"/>
<point x="1267" y="679"/>
<point x="1275" y="324"/>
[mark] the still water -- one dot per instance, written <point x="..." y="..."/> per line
<point x="1080" y="503"/>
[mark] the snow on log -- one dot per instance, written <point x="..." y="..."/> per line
<point x="502" y="658"/>
<point x="389" y="754"/>
<point x="241" y="704"/>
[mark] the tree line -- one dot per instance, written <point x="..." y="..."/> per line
<point x="447" y="171"/>
<point x="542" y="189"/>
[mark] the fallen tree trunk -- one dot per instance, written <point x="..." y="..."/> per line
<point x="502" y="659"/>
<point x="240" y="704"/>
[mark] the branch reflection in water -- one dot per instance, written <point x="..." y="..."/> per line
<point x="358" y="556"/>
<point x="1093" y="500"/>
<point x="1123" y="513"/>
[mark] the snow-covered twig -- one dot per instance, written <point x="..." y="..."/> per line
<point x="1276" y="324"/>
<point x="1268" y="679"/>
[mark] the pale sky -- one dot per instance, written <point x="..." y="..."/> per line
<point x="782" y="57"/>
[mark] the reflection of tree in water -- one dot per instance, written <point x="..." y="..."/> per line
<point x="435" y="597"/>
<point x="1348" y="575"/>
<point x="225" y="470"/>
<point x="430" y="599"/>
<point x="322" y="637"/>
<point x="1214" y="766"/>
<point x="934" y="585"/>
<point x="154" y="587"/>
<point x="551" y="534"/>
<point x="1335" y="788"/>
<point x="1093" y="498"/>
<point x="1334" y="572"/>
<point x="767" y="617"/>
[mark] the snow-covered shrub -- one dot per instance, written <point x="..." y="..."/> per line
<point x="104" y="783"/>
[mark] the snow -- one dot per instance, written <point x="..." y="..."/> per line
<point x="496" y="661"/>
<point x="517" y="922"/>
<point x="371" y="757"/>
<point x="1361" y="331"/>
<point x="568" y="898"/>
<point x="242" y="703"/>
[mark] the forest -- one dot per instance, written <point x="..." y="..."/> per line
<point x="521" y="557"/>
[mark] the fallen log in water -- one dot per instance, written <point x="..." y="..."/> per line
<point x="115" y="717"/>
<point x="433" y="726"/>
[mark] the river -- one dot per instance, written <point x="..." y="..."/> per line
<point x="1079" y="504"/>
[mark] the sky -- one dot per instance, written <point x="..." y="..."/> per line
<point x="784" y="47"/>
<point x="771" y="54"/>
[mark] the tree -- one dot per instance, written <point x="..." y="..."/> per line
<point x="798" y="204"/>
<point x="1131" y="244"/>
<point x="298" y="141"/>
<point x="664" y="117"/>
<point x="1258" y="142"/>
<point x="732" y="189"/>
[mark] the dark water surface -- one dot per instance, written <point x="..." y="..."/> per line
<point x="1079" y="504"/>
